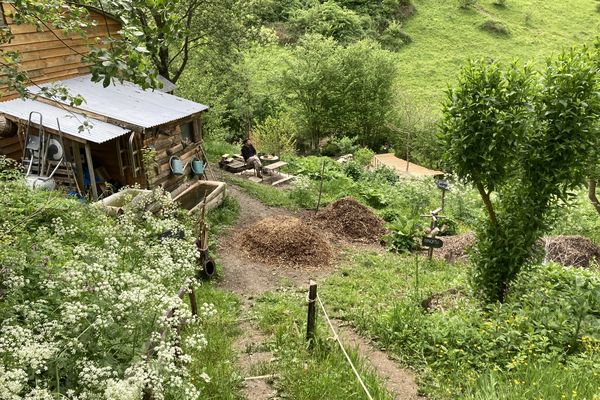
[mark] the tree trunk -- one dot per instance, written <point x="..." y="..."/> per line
<point x="485" y="196"/>
<point x="592" y="183"/>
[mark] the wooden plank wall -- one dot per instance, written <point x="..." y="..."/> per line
<point x="167" y="142"/>
<point x="45" y="57"/>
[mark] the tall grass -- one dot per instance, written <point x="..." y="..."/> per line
<point x="320" y="373"/>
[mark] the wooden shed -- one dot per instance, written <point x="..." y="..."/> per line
<point x="120" y="135"/>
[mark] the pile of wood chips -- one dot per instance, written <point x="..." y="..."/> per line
<point x="455" y="247"/>
<point x="575" y="251"/>
<point x="283" y="240"/>
<point x="351" y="220"/>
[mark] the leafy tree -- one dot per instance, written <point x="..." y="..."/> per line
<point x="524" y="141"/>
<point x="171" y="30"/>
<point x="329" y="19"/>
<point x="277" y="135"/>
<point x="311" y="83"/>
<point x="367" y="92"/>
<point x="340" y="91"/>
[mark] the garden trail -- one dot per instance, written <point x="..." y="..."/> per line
<point x="249" y="279"/>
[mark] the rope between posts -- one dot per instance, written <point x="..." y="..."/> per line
<point x="337" y="338"/>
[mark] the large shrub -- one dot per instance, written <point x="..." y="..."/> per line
<point x="527" y="138"/>
<point x="276" y="135"/>
<point x="329" y="19"/>
<point x="340" y="91"/>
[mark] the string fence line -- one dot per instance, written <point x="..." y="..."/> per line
<point x="337" y="338"/>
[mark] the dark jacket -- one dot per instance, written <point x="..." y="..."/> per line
<point x="248" y="151"/>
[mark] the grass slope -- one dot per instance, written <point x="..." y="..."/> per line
<point x="446" y="36"/>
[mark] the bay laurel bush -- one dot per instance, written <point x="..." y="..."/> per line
<point x="525" y="141"/>
<point x="83" y="295"/>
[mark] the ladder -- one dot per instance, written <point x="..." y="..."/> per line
<point x="129" y="155"/>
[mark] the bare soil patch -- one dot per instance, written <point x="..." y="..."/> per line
<point x="285" y="240"/>
<point x="351" y="220"/>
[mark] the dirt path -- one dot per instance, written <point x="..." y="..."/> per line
<point x="249" y="279"/>
<point x="399" y="381"/>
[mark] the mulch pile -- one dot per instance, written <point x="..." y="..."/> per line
<point x="351" y="220"/>
<point x="286" y="240"/>
<point x="455" y="247"/>
<point x="576" y="251"/>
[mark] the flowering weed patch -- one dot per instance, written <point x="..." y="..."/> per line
<point x="83" y="298"/>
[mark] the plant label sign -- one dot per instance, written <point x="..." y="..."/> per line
<point x="432" y="242"/>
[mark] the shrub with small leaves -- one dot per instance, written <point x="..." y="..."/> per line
<point x="495" y="27"/>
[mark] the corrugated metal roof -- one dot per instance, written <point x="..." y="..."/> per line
<point x="98" y="132"/>
<point x="128" y="103"/>
<point x="168" y="86"/>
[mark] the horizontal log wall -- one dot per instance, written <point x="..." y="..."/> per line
<point x="167" y="142"/>
<point x="45" y="57"/>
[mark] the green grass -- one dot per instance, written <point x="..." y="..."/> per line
<point x="469" y="351"/>
<point x="218" y="359"/>
<point x="320" y="373"/>
<point x="267" y="194"/>
<point x="445" y="37"/>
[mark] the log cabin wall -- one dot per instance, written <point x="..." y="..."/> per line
<point x="167" y="141"/>
<point x="10" y="142"/>
<point x="45" y="57"/>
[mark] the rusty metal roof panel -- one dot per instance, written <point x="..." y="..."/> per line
<point x="129" y="103"/>
<point x="70" y="123"/>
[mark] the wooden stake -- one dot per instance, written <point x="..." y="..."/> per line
<point x="310" y="324"/>
<point x="92" y="174"/>
<point x="193" y="303"/>
<point x="320" y="187"/>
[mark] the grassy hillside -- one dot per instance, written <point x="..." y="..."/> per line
<point x="446" y="36"/>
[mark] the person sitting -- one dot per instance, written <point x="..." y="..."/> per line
<point x="250" y="157"/>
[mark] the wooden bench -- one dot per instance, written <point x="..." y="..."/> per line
<point x="275" y="166"/>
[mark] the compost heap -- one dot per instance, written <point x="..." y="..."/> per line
<point x="576" y="251"/>
<point x="455" y="247"/>
<point x="351" y="220"/>
<point x="285" y="240"/>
